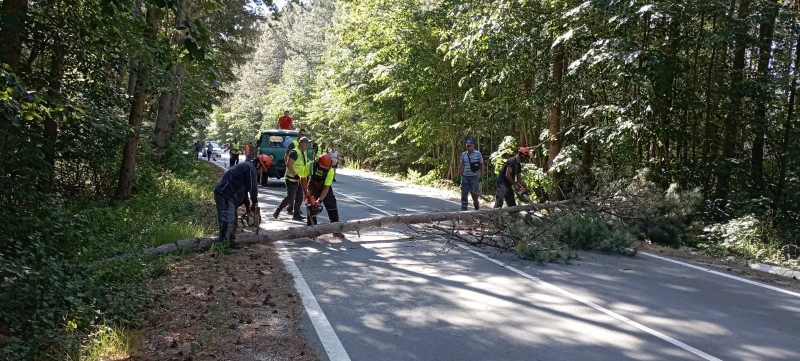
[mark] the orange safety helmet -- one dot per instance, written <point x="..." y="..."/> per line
<point x="265" y="160"/>
<point x="325" y="161"/>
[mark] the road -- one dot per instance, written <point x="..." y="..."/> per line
<point x="386" y="296"/>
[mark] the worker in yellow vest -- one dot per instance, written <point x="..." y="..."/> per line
<point x="296" y="180"/>
<point x="234" y="150"/>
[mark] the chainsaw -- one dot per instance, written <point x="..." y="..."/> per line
<point x="251" y="218"/>
<point x="523" y="196"/>
<point x="312" y="210"/>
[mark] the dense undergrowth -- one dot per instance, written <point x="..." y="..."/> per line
<point x="60" y="298"/>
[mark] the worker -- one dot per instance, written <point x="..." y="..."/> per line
<point x="334" y="158"/>
<point x="511" y="175"/>
<point x="320" y="151"/>
<point x="285" y="121"/>
<point x="238" y="186"/>
<point x="210" y="151"/>
<point x="197" y="148"/>
<point x="234" y="150"/>
<point x="470" y="172"/>
<point x="296" y="180"/>
<point x="320" y="178"/>
<point x="247" y="151"/>
<point x="292" y="145"/>
<point x="253" y="150"/>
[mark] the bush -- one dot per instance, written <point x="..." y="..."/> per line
<point x="749" y="238"/>
<point x="59" y="291"/>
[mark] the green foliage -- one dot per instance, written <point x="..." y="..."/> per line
<point x="60" y="288"/>
<point x="749" y="238"/>
<point x="559" y="234"/>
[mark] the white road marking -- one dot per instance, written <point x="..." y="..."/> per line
<point x="575" y="297"/>
<point x="374" y="181"/>
<point x="595" y="306"/>
<point x="330" y="341"/>
<point x="740" y="279"/>
<point x="368" y="205"/>
<point x="759" y="284"/>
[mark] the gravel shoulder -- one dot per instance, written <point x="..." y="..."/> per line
<point x="237" y="306"/>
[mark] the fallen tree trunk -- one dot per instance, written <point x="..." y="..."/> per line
<point x="349" y="226"/>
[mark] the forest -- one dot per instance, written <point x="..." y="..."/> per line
<point x="100" y="103"/>
<point x="684" y="110"/>
<point x="693" y="98"/>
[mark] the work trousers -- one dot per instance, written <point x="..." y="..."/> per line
<point x="329" y="202"/>
<point x="293" y="199"/>
<point x="226" y="217"/>
<point x="469" y="186"/>
<point x="504" y="193"/>
<point x="234" y="159"/>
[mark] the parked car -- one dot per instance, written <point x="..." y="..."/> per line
<point x="274" y="144"/>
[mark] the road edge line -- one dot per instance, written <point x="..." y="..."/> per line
<point x="575" y="297"/>
<point x="366" y="204"/>
<point x="330" y="341"/>
<point x="596" y="307"/>
<point x="718" y="273"/>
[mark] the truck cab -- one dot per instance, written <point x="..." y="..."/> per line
<point x="274" y="144"/>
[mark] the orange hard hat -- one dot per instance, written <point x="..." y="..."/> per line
<point x="325" y="161"/>
<point x="265" y="160"/>
<point x="525" y="150"/>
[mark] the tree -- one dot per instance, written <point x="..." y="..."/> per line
<point x="136" y="115"/>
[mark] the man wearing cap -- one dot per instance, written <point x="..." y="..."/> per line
<point x="511" y="175"/>
<point x="293" y="145"/>
<point x="296" y="179"/>
<point x="233" y="190"/>
<point x="470" y="170"/>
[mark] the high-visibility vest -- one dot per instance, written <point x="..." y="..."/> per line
<point x="235" y="148"/>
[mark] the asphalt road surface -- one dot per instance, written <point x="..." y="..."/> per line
<point x="387" y="296"/>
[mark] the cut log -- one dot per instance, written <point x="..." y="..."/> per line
<point x="350" y="226"/>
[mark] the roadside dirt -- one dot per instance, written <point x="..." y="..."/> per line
<point x="239" y="306"/>
<point x="723" y="266"/>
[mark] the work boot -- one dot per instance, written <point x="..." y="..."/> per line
<point x="277" y="213"/>
<point x="290" y="210"/>
<point x="338" y="235"/>
<point x="297" y="217"/>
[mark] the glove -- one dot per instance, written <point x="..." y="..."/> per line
<point x="458" y="179"/>
<point x="480" y="178"/>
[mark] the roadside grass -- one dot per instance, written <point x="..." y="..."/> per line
<point x="63" y="294"/>
<point x="109" y="343"/>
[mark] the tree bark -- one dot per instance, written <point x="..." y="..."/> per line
<point x="126" y="172"/>
<point x="708" y="119"/>
<point x="169" y="101"/>
<point x="732" y="119"/>
<point x="54" y="92"/>
<point x="766" y="28"/>
<point x="787" y="127"/>
<point x="667" y="95"/>
<point x="12" y="31"/>
<point x="554" y="118"/>
<point x="351" y="226"/>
